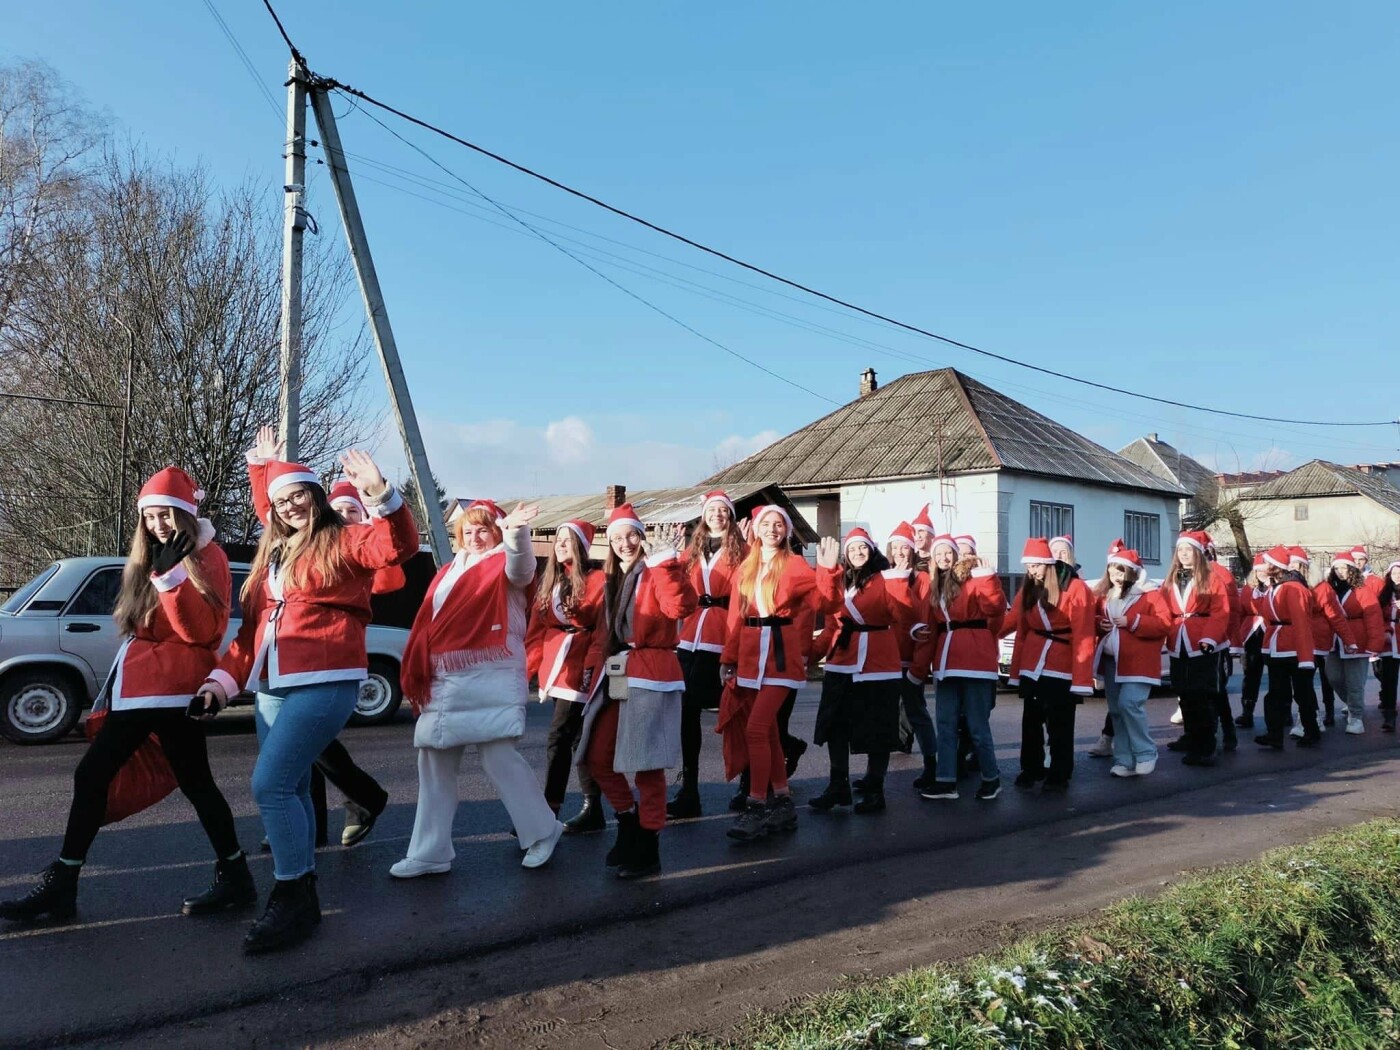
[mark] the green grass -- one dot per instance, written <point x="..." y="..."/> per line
<point x="1299" y="949"/>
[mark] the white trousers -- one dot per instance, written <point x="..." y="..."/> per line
<point x="516" y="786"/>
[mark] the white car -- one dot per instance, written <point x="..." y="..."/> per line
<point x="58" y="641"/>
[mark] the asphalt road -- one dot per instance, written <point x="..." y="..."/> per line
<point x="131" y="961"/>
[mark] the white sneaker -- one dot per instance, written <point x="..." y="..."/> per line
<point x="1103" y="748"/>
<point x="1123" y="771"/>
<point x="1297" y="730"/>
<point x="1176" y="717"/>
<point x="408" y="868"/>
<point x="1355" y="726"/>
<point x="1144" y="768"/>
<point x="538" y="854"/>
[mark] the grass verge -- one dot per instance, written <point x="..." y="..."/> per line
<point x="1298" y="949"/>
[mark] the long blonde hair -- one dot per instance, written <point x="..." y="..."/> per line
<point x="746" y="579"/>
<point x="136" y="604"/>
<point x="300" y="552"/>
<point x="1200" y="570"/>
<point x="572" y="579"/>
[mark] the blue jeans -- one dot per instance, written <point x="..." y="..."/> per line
<point x="972" y="698"/>
<point x="293" y="729"/>
<point x="1127" y="706"/>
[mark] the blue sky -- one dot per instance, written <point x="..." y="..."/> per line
<point x="1195" y="200"/>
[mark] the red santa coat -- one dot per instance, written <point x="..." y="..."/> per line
<point x="1364" y="623"/>
<point x="865" y="655"/>
<point x="960" y="637"/>
<point x="912" y="596"/>
<point x="663" y="598"/>
<point x="167" y="659"/>
<point x="1195" y="619"/>
<point x="1135" y="648"/>
<point x="711" y="578"/>
<point x="1251" y="619"/>
<point x="1287" y="613"/>
<point x="557" y="645"/>
<point x="1329" y="622"/>
<point x="773" y="653"/>
<point x="1231" y="588"/>
<point x="1373" y="583"/>
<point x="1055" y="642"/>
<point x="1390" y="620"/>
<point x="315" y="632"/>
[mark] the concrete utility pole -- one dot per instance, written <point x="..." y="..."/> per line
<point x="378" y="314"/>
<point x="293" y="223"/>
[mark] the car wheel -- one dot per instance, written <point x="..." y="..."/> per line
<point x="39" y="706"/>
<point x="380" y="695"/>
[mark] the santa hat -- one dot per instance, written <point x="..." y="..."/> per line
<point x="171" y="487"/>
<point x="282" y="475"/>
<point x="1299" y="555"/>
<point x="858" y="536"/>
<point x="943" y="540"/>
<point x="497" y="515"/>
<point x="344" y="492"/>
<point x="1345" y="560"/>
<point x="1066" y="539"/>
<point x="624" y="517"/>
<point x="1127" y="557"/>
<point x="1259" y="560"/>
<point x="584" y="530"/>
<point x="1191" y="539"/>
<point x="1279" y="557"/>
<point x="717" y="496"/>
<point x="1116" y="546"/>
<point x="967" y="538"/>
<point x="1360" y="548"/>
<point x="1392" y="565"/>
<point x="922" y="520"/>
<point x="1037" y="552"/>
<point x="759" y="512"/>
<point x="903" y="533"/>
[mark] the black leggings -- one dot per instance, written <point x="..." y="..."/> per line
<point x="1047" y="715"/>
<point x="182" y="740"/>
<point x="336" y="765"/>
<point x="1388" y="667"/>
<point x="702" y="691"/>
<point x="564" y="730"/>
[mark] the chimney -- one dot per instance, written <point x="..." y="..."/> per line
<point x="1152" y="437"/>
<point x="868" y="383"/>
<point x="614" y="496"/>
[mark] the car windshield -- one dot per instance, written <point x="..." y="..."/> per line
<point x="20" y="597"/>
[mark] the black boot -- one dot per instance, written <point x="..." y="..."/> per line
<point x="686" y="804"/>
<point x="837" y="793"/>
<point x="1181" y="743"/>
<point x="56" y="896"/>
<point x="290" y="917"/>
<point x="1387" y="721"/>
<point x="643" y="857"/>
<point x="781" y="816"/>
<point x="627" y="828"/>
<point x="741" y="797"/>
<point x="793" y="755"/>
<point x="872" y="800"/>
<point x="588" y="819"/>
<point x="928" y="776"/>
<point x="233" y="888"/>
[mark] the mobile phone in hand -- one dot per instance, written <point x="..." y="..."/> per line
<point x="197" y="708"/>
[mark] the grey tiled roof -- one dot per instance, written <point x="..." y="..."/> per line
<point x="1321" y="478"/>
<point x="1172" y="464"/>
<point x="902" y="430"/>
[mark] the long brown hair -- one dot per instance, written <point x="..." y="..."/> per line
<point x="300" y="552"/>
<point x="1104" y="588"/>
<point x="136" y="605"/>
<point x="1047" y="593"/>
<point x="571" y="578"/>
<point x="731" y="544"/>
<point x="1200" y="571"/>
<point x="947" y="584"/>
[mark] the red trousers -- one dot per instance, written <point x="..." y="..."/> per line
<point x="651" y="783"/>
<point x="767" y="763"/>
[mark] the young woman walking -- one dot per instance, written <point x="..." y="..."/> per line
<point x="1388" y="595"/>
<point x="173" y="609"/>
<point x="764" y="659"/>
<point x="568" y="603"/>
<point x="1129" y="658"/>
<point x="910" y="589"/>
<point x="1248" y="640"/>
<point x="1197" y="611"/>
<point x="464" y="674"/>
<point x="305" y="607"/>
<point x="1286" y="609"/>
<point x="959" y="651"/>
<point x="632" y="725"/>
<point x="711" y="559"/>
<point x="1347" y="664"/>
<point x="859" y="709"/>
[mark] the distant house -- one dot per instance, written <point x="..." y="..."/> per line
<point x="1151" y="453"/>
<point x="987" y="465"/>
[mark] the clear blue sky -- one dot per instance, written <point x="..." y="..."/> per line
<point x="1197" y="200"/>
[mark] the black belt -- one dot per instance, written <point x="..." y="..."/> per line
<point x="1282" y="623"/>
<point x="779" y="653"/>
<point x="1054" y="636"/>
<point x="957" y="625"/>
<point x="569" y="628"/>
<point x="709" y="601"/>
<point x="850" y="627"/>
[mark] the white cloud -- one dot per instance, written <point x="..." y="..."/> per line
<point x="570" y="441"/>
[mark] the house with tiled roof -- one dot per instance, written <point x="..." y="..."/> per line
<point x="1165" y="460"/>
<point x="985" y="463"/>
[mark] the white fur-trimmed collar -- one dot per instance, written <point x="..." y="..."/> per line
<point x="206" y="534"/>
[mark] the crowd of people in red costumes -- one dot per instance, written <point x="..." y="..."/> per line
<point x="726" y="617"/>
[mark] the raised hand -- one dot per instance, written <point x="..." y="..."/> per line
<point x="746" y="526"/>
<point x="361" y="472"/>
<point x="677" y="536"/>
<point x="165" y="556"/>
<point x="267" y="447"/>
<point x="829" y="552"/>
<point x="523" y="514"/>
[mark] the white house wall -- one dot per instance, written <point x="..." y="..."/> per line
<point x="967" y="503"/>
<point x="1333" y="523"/>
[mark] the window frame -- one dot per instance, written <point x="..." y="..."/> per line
<point x="1055" y="510"/>
<point x="1149" y="521"/>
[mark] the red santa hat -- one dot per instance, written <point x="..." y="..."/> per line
<point x="1116" y="546"/>
<point x="858" y="536"/>
<point x="1360" y="548"/>
<point x="282" y="475"/>
<point x="1191" y="539"/>
<point x="717" y="496"/>
<point x="497" y="515"/>
<point x="171" y="487"/>
<point x="1037" y="552"/>
<point x="922" y="520"/>
<point x="1299" y="555"/>
<point x="624" y="517"/>
<point x="1127" y="557"/>
<point x="344" y="492"/>
<point x="1391" y="566"/>
<point x="585" y="531"/>
<point x="903" y="533"/>
<point x="1066" y="539"/>
<point x="772" y="508"/>
<point x="1345" y="560"/>
<point x="943" y="540"/>
<point x="967" y="538"/>
<point x="1259" y="560"/>
<point x="1279" y="557"/>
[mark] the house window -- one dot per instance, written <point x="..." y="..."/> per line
<point x="1143" y="533"/>
<point x="1300" y="512"/>
<point x="1051" y="519"/>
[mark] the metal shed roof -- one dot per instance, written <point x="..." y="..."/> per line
<point x="1321" y="478"/>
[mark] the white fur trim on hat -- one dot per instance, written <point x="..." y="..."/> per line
<point x="622" y="523"/>
<point x="158" y="500"/>
<point x="773" y="508"/>
<point x="301" y="477"/>
<point x="582" y="539"/>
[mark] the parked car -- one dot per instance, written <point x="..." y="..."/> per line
<point x="58" y="641"/>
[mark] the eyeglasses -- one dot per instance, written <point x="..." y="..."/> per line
<point x="293" y="499"/>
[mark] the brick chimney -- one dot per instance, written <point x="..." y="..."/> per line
<point x="614" y="496"/>
<point x="868" y="383"/>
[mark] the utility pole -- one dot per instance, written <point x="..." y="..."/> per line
<point x="119" y="539"/>
<point x="378" y="314"/>
<point x="293" y="223"/>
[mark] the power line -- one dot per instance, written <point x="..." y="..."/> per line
<point x="283" y="30"/>
<point x="243" y="58"/>
<point x="59" y="400"/>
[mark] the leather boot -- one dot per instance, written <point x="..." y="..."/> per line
<point x="740" y="801"/>
<point x="55" y="895"/>
<point x="643" y="856"/>
<point x="627" y="827"/>
<point x="872" y="800"/>
<point x="792" y="754"/>
<point x="233" y="888"/>
<point x="588" y="819"/>
<point x="837" y="793"/>
<point x="290" y="917"/>
<point x="686" y="804"/>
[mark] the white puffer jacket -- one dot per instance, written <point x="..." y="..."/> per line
<point x="485" y="702"/>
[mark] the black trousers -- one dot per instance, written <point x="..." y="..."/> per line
<point x="702" y="691"/>
<point x="1288" y="683"/>
<point x="182" y="740"/>
<point x="1389" y="673"/>
<point x="336" y="765"/>
<point x="1047" y="714"/>
<point x="564" y="730"/>
<point x="1253" y="674"/>
<point x="1220" y="701"/>
<point x="1329" y="699"/>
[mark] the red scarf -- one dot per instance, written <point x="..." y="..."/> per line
<point x="470" y="628"/>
